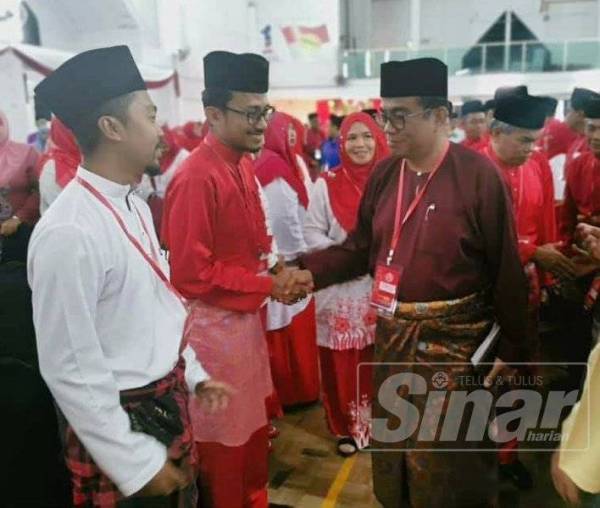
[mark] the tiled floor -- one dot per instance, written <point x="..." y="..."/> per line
<point x="304" y="467"/>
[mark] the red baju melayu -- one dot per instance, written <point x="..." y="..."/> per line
<point x="475" y="144"/>
<point x="556" y="139"/>
<point x="582" y="194"/>
<point x="576" y="149"/>
<point x="532" y="191"/>
<point x="215" y="229"/>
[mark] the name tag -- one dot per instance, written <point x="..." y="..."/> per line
<point x="385" y="289"/>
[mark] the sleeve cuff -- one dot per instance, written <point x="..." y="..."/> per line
<point x="194" y="372"/>
<point x="526" y="251"/>
<point x="265" y="285"/>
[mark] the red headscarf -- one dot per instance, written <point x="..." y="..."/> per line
<point x="63" y="151"/>
<point x="170" y="139"/>
<point x="347" y="182"/>
<point x="186" y="137"/>
<point x="278" y="158"/>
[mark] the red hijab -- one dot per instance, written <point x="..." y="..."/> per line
<point x="346" y="183"/>
<point x="278" y="158"/>
<point x="186" y="137"/>
<point x="169" y="138"/>
<point x="63" y="151"/>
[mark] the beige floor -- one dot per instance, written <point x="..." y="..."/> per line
<point x="304" y="467"/>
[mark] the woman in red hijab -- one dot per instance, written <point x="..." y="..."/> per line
<point x="291" y="331"/>
<point x="58" y="165"/>
<point x="19" y="199"/>
<point x="302" y="160"/>
<point x="345" y="322"/>
<point x="190" y="135"/>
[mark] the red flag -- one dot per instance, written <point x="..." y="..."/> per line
<point x="319" y="34"/>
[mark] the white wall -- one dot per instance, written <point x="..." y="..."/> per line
<point x="10" y="28"/>
<point x="78" y="25"/>
<point x="360" y="21"/>
<point x="390" y="23"/>
<point x="14" y="97"/>
<point x="208" y="26"/>
<point x="288" y="69"/>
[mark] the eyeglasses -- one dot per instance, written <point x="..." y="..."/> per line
<point x="254" y="116"/>
<point x="398" y="118"/>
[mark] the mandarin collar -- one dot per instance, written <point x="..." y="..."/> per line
<point x="225" y="152"/>
<point x="103" y="185"/>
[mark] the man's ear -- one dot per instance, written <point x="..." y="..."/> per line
<point x="213" y="115"/>
<point x="111" y="128"/>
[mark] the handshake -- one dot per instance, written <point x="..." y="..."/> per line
<point x="291" y="284"/>
<point x="589" y="241"/>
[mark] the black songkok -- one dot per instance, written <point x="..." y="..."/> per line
<point x="83" y="83"/>
<point x="245" y="72"/>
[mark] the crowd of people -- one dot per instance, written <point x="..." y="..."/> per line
<point x="167" y="293"/>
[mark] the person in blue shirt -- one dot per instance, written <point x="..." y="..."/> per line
<point x="330" y="149"/>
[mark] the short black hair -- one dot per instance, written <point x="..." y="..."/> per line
<point x="216" y="98"/>
<point x="313" y="116"/>
<point x="431" y="102"/>
<point x="372" y="112"/>
<point x="88" y="134"/>
<point x="336" y="120"/>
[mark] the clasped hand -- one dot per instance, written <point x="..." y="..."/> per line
<point x="291" y="285"/>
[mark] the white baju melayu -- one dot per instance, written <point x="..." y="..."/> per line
<point x="49" y="189"/>
<point x="104" y="322"/>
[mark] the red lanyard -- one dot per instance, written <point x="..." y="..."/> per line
<point x="153" y="264"/>
<point x="399" y="225"/>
